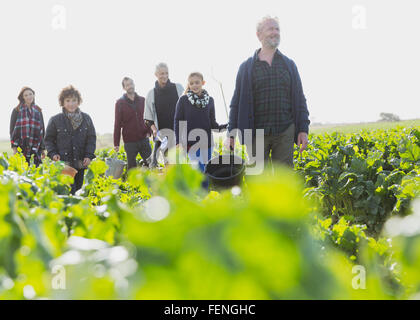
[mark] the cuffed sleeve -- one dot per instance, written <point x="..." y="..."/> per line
<point x="42" y="144"/>
<point x="51" y="139"/>
<point x="91" y="141"/>
<point x="302" y="108"/>
<point x="179" y="116"/>
<point x="213" y="122"/>
<point x="149" y="108"/>
<point x="13" y="120"/>
<point x="117" y="125"/>
<point x="234" y="104"/>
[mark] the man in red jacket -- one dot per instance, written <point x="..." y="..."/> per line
<point x="129" y="111"/>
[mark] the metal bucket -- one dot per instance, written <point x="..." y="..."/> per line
<point x="225" y="171"/>
<point x="115" y="167"/>
<point x="159" y="145"/>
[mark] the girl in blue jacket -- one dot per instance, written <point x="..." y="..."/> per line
<point x="195" y="110"/>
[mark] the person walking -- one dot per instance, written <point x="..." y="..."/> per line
<point x="269" y="96"/>
<point x="129" y="111"/>
<point x="27" y="129"/>
<point x="71" y="135"/>
<point x="159" y="113"/>
<point x="196" y="109"/>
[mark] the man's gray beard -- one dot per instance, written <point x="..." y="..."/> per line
<point x="272" y="45"/>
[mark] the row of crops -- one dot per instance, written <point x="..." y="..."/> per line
<point x="344" y="225"/>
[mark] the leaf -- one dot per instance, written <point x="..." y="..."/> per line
<point x="412" y="152"/>
<point x="357" y="191"/>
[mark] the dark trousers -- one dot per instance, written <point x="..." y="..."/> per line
<point x="134" y="148"/>
<point x="280" y="147"/>
<point x="37" y="160"/>
<point x="78" y="181"/>
<point x="202" y="159"/>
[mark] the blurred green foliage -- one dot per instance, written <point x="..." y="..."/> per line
<point x="159" y="235"/>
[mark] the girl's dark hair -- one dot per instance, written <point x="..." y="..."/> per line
<point x="20" y="97"/>
<point x="69" y="92"/>
<point x="193" y="74"/>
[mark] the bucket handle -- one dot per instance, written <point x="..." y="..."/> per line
<point x="232" y="158"/>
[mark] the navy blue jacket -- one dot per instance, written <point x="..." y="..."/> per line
<point x="196" y="118"/>
<point x="241" y="114"/>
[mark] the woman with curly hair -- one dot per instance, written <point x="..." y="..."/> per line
<point x="71" y="135"/>
<point x="27" y="127"/>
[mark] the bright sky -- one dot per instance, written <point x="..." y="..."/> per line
<point x="356" y="58"/>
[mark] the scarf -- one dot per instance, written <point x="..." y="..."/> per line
<point x="28" y="132"/>
<point x="165" y="104"/>
<point x="75" y="118"/>
<point x="167" y="86"/>
<point x="199" y="102"/>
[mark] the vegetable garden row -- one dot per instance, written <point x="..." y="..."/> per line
<point x="344" y="225"/>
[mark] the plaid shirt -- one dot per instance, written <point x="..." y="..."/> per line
<point x="27" y="130"/>
<point x="272" y="96"/>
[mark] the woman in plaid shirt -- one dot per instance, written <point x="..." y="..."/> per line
<point x="27" y="127"/>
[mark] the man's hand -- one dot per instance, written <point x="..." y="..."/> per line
<point x="154" y="130"/>
<point x="223" y="127"/>
<point x="86" y="162"/>
<point x="56" y="157"/>
<point x="117" y="148"/>
<point x="230" y="143"/>
<point x="42" y="155"/>
<point x="302" y="141"/>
